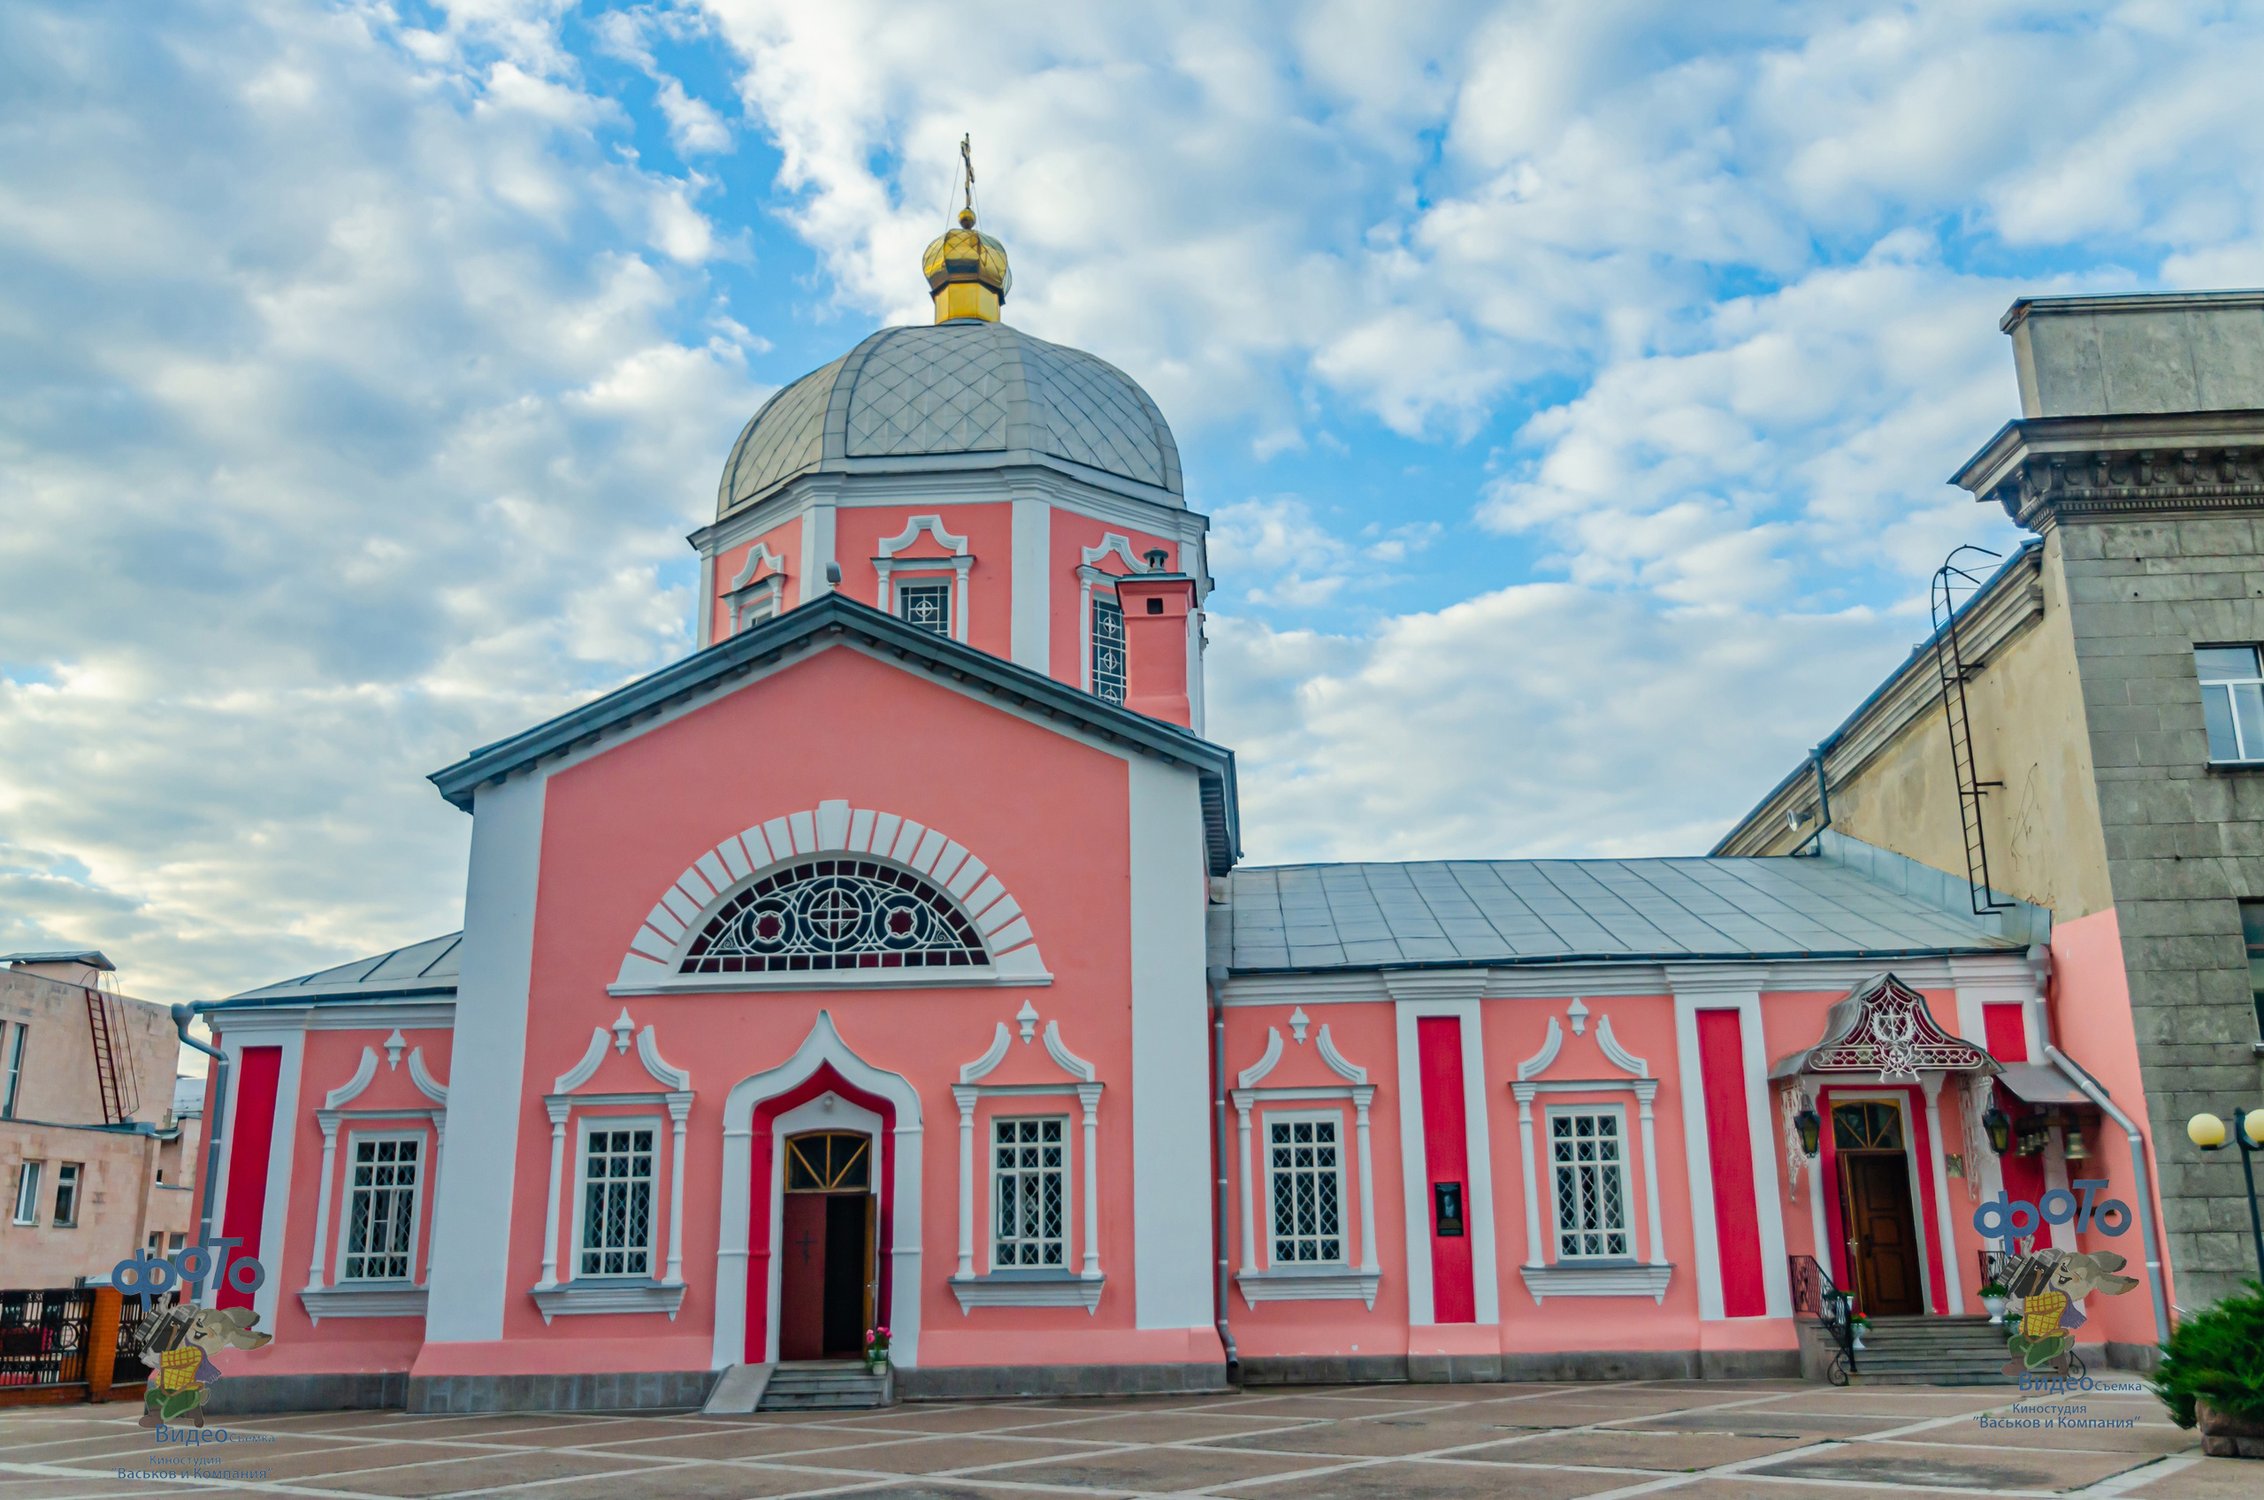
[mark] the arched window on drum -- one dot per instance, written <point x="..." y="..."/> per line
<point x="832" y="914"/>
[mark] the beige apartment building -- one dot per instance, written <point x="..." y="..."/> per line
<point x="2079" y="750"/>
<point x="98" y="1139"/>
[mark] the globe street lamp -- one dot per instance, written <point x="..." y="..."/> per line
<point x="2210" y="1133"/>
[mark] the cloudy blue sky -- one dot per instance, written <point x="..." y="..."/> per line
<point x="1572" y="384"/>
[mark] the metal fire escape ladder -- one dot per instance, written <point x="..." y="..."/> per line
<point x="1949" y="661"/>
<point x="113" y="1061"/>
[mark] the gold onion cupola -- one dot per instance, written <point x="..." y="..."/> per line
<point x="967" y="270"/>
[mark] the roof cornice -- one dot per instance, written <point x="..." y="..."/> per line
<point x="837" y="615"/>
<point x="2046" y="469"/>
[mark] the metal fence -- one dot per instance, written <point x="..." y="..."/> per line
<point x="43" y="1337"/>
<point x="131" y="1321"/>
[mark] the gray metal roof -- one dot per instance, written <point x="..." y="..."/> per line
<point x="1358" y="916"/>
<point x="426" y="968"/>
<point x="91" y="957"/>
<point x="986" y="392"/>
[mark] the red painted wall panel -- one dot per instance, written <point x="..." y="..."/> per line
<point x="251" y="1131"/>
<point x="2004" y="1032"/>
<point x="1446" y="1154"/>
<point x="1729" y="1141"/>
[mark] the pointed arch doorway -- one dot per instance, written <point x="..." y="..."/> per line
<point x="829" y="1278"/>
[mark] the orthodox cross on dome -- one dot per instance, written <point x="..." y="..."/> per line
<point x="966" y="270"/>
<point x="1885" y="1027"/>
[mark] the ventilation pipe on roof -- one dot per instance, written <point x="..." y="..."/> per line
<point x="215" y="1117"/>
<point x="1215" y="982"/>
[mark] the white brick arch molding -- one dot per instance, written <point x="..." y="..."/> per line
<point x="831" y="827"/>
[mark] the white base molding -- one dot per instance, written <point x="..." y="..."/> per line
<point x="369" y="1299"/>
<point x="1027" y="1289"/>
<point x="1300" y="1284"/>
<point x="1611" y="1279"/>
<point x="573" y="1297"/>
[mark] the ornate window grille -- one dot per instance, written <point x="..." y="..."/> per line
<point x="1030" y="1181"/>
<point x="927" y="605"/>
<point x="381" y="1209"/>
<point x="830" y="1162"/>
<point x="821" y="914"/>
<point x="1108" y="649"/>
<point x="1589" y="1159"/>
<point x="617" y="1189"/>
<point x="1304" y="1172"/>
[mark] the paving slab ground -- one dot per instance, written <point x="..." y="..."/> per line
<point x="1686" y="1440"/>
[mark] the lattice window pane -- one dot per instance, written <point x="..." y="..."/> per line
<point x="1588" y="1164"/>
<point x="380" y="1219"/>
<point x="1306" y="1187"/>
<point x="926" y="605"/>
<point x="1108" y="649"/>
<point x="617" y="1200"/>
<point x="823" y="914"/>
<point x="1030" y="1185"/>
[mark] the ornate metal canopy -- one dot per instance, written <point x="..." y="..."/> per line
<point x="1884" y="1027"/>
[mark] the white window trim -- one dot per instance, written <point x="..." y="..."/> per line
<point x="1268" y="1120"/>
<point x="1544" y="1275"/>
<point x="1091" y="576"/>
<point x="585" y="1125"/>
<point x="751" y="599"/>
<point x="998" y="1186"/>
<point x="662" y="1291"/>
<point x="1555" y="1242"/>
<point x="1020" y="1286"/>
<point x="1301" y="1282"/>
<point x="1093" y="645"/>
<point x="28" y="1176"/>
<point x="2244" y="753"/>
<point x="75" y="1172"/>
<point x="368" y="1299"/>
<point x="354" y="1138"/>
<point x="954" y="568"/>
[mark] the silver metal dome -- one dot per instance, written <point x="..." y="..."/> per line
<point x="967" y="393"/>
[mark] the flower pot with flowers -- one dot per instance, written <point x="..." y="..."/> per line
<point x="876" y="1349"/>
<point x="1993" y="1299"/>
<point x="1859" y="1323"/>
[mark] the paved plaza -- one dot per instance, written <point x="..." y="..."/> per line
<point x="1713" y="1440"/>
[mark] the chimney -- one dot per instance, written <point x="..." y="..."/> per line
<point x="1159" y="613"/>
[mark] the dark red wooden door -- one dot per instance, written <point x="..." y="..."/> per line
<point x="801" y="1278"/>
<point x="1876" y="1204"/>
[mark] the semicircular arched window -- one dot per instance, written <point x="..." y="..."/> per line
<point x="824" y="914"/>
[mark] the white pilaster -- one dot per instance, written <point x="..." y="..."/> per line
<point x="676" y="1114"/>
<point x="558" y="1113"/>
<point x="322" y="1202"/>
<point x="1362" y="1099"/>
<point x="966" y="1101"/>
<point x="1089" y="1097"/>
<point x="1945" y="1230"/>
<point x="1031" y="638"/>
<point x="1524" y="1096"/>
<point x="1644" y="1100"/>
<point x="1248" y="1182"/>
<point x="1700" y="987"/>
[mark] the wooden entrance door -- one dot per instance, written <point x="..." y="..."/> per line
<point x="826" y="1266"/>
<point x="1875" y="1210"/>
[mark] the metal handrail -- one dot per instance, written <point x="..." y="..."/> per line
<point x="1814" y="1297"/>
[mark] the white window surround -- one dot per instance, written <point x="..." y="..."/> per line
<point x="1547" y="1275"/>
<point x="758" y="590"/>
<point x="1019" y="1286"/>
<point x="614" y="1294"/>
<point x="1278" y="1182"/>
<point x="1304" y="1282"/>
<point x="1617" y="1135"/>
<point x="1007" y="1133"/>
<point x="70" y="1184"/>
<point x="27" y="1192"/>
<point x="954" y="567"/>
<point x="355" y="1140"/>
<point x="1091" y="575"/>
<point x="608" y="1123"/>
<point x="649" y="967"/>
<point x="370" y="1299"/>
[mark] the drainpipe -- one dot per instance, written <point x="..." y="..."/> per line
<point x="215" y="1115"/>
<point x="2097" y="1094"/>
<point x="1221" y="1210"/>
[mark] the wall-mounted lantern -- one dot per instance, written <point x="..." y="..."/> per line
<point x="1811" y="1128"/>
<point x="1998" y="1127"/>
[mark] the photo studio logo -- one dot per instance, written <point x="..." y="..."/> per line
<point x="2050" y="1285"/>
<point x="178" y="1342"/>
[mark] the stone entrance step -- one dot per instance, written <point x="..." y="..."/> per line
<point x="1919" y="1351"/>
<point x="826" y="1385"/>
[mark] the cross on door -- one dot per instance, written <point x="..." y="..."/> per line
<point x="805" y="1242"/>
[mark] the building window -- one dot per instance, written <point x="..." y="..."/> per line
<point x="2232" y="701"/>
<point x="174" y="1242"/>
<point x="1588" y="1156"/>
<point x="835" y="914"/>
<point x="926" y="604"/>
<point x="2252" y="934"/>
<point x="27" y="1193"/>
<point x="1304" y="1178"/>
<point x="1108" y="649"/>
<point x="11" y="1067"/>
<point x="1030" y="1184"/>
<point x="617" y="1191"/>
<point x="67" y="1178"/>
<point x="381" y="1209"/>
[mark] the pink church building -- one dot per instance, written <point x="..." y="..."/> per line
<point x="890" y="961"/>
